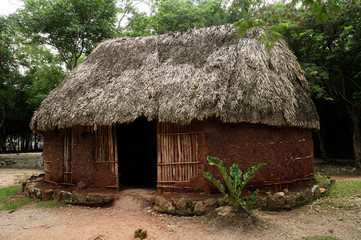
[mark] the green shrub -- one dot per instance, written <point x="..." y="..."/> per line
<point x="234" y="182"/>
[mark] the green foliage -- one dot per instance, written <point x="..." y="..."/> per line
<point x="235" y="183"/>
<point x="9" y="202"/>
<point x="72" y="27"/>
<point x="179" y="15"/>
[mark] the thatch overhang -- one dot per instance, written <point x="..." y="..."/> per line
<point x="179" y="77"/>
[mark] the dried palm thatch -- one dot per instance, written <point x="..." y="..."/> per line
<point x="178" y="77"/>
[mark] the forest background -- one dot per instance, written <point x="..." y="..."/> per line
<point x="45" y="39"/>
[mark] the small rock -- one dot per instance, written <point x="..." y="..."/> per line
<point x="224" y="211"/>
<point x="47" y="194"/>
<point x="308" y="194"/>
<point x="316" y="192"/>
<point x="199" y="208"/>
<point x="291" y="199"/>
<point x="170" y="228"/>
<point x="183" y="206"/>
<point x="330" y="230"/>
<point x="269" y="193"/>
<point x="140" y="233"/>
<point x="285" y="190"/>
<point x="37" y="193"/>
<point x="211" y="203"/>
<point x="163" y="206"/>
<point x="99" y="237"/>
<point x="323" y="190"/>
<point x="94" y="200"/>
<point x="261" y="202"/>
<point x="80" y="185"/>
<point x="78" y="198"/>
<point x="65" y="196"/>
<point x="57" y="194"/>
<point x="26" y="227"/>
<point x="279" y="199"/>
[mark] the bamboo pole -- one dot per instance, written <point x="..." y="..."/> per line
<point x="115" y="142"/>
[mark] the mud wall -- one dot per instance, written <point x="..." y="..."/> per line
<point x="84" y="166"/>
<point x="53" y="156"/>
<point x="288" y="152"/>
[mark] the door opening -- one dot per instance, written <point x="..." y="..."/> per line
<point x="137" y="153"/>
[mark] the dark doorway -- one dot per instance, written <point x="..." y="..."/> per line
<point x="137" y="153"/>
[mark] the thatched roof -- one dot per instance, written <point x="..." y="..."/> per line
<point x="178" y="77"/>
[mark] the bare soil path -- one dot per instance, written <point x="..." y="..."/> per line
<point x="116" y="222"/>
<point x="13" y="176"/>
<point x="129" y="213"/>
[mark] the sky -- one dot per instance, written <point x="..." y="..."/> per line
<point x="9" y="6"/>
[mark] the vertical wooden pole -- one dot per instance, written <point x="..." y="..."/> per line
<point x="115" y="145"/>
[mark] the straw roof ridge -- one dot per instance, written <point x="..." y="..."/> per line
<point x="179" y="77"/>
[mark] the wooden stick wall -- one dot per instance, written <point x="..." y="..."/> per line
<point x="106" y="151"/>
<point x="177" y="159"/>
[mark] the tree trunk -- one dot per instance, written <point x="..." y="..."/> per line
<point x="322" y="148"/>
<point x="35" y="142"/>
<point x="356" y="139"/>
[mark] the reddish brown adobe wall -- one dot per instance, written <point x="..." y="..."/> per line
<point x="288" y="152"/>
<point x="83" y="165"/>
<point x="53" y="156"/>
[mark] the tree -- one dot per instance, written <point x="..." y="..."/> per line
<point x="178" y="15"/>
<point x="329" y="49"/>
<point x="72" y="27"/>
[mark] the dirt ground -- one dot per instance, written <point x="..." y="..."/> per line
<point x="129" y="213"/>
<point x="13" y="176"/>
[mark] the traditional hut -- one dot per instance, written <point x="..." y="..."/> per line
<point x="148" y="110"/>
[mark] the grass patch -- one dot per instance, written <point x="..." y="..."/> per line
<point x="12" y="198"/>
<point x="323" y="237"/>
<point x="327" y="170"/>
<point x="343" y="195"/>
<point x="50" y="204"/>
<point x="322" y="181"/>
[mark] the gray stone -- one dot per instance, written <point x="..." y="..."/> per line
<point x="65" y="196"/>
<point x="78" y="198"/>
<point x="291" y="200"/>
<point x="211" y="203"/>
<point x="277" y="200"/>
<point x="37" y="193"/>
<point x="316" y="192"/>
<point x="199" y="208"/>
<point x="308" y="194"/>
<point x="261" y="202"/>
<point x="57" y="194"/>
<point x="47" y="194"/>
<point x="80" y="185"/>
<point x="94" y="200"/>
<point x="140" y="233"/>
<point x="28" y="190"/>
<point x="323" y="190"/>
<point x="183" y="206"/>
<point x="163" y="206"/>
<point x="224" y="211"/>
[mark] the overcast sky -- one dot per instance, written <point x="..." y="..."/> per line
<point x="9" y="6"/>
